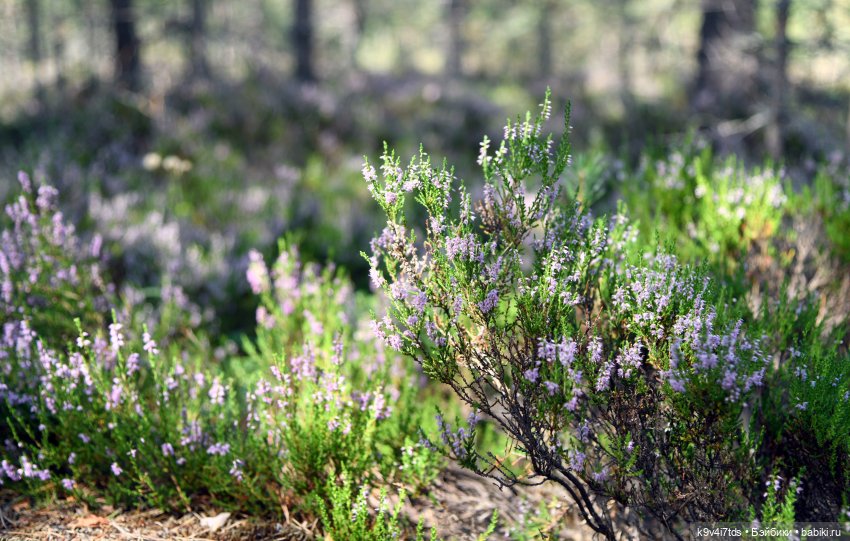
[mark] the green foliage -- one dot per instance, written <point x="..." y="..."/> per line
<point x="777" y="509"/>
<point x="348" y="516"/>
<point x="712" y="211"/>
<point x="829" y="198"/>
<point x="116" y="414"/>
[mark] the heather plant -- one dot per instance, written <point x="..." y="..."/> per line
<point x="715" y="211"/>
<point x="47" y="275"/>
<point x="621" y="377"/>
<point x="777" y="508"/>
<point x="333" y="401"/>
<point x="348" y="517"/>
<point x="115" y="413"/>
<point x="134" y="414"/>
<point x="829" y="198"/>
<point x="803" y="409"/>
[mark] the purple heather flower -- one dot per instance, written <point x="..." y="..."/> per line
<point x="604" y="380"/>
<point x="489" y="302"/>
<point x="601" y="475"/>
<point x="220" y="449"/>
<point x="68" y="484"/>
<point x="419" y="302"/>
<point x="532" y="374"/>
<point x="167" y="449"/>
<point x="576" y="459"/>
<point x="116" y="469"/>
<point x="552" y="387"/>
<point x="395" y="342"/>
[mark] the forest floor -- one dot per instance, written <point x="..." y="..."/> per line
<point x="458" y="503"/>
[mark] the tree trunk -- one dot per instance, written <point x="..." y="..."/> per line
<point x="302" y="41"/>
<point x="727" y="66"/>
<point x="456" y="46"/>
<point x="197" y="38"/>
<point x="360" y="8"/>
<point x="774" y="136"/>
<point x="544" y="39"/>
<point x="127" y="61"/>
<point x="625" y="43"/>
<point x="34" y="22"/>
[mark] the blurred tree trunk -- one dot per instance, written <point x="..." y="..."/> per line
<point x="625" y="43"/>
<point x="775" y="130"/>
<point x="127" y="62"/>
<point x="197" y="39"/>
<point x="727" y="65"/>
<point x="302" y="41"/>
<point x="454" y="57"/>
<point x="34" y="22"/>
<point x="360" y="8"/>
<point x="34" y="44"/>
<point x="544" y="38"/>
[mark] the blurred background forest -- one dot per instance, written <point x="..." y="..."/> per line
<point x="188" y="131"/>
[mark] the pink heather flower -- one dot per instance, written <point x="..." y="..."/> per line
<point x="236" y="470"/>
<point x="114" y="398"/>
<point x="264" y="318"/>
<point x="377" y="278"/>
<point x="83" y="341"/>
<point x="149" y="345"/>
<point x="116" y="469"/>
<point x="46" y="199"/>
<point x="116" y="338"/>
<point x="257" y="273"/>
<point x="217" y="392"/>
<point x="369" y="174"/>
<point x="24" y="179"/>
<point x="132" y="363"/>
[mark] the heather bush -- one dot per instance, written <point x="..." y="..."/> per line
<point x="114" y="412"/>
<point x="47" y="275"/>
<point x="623" y="375"/>
<point x="800" y="414"/>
